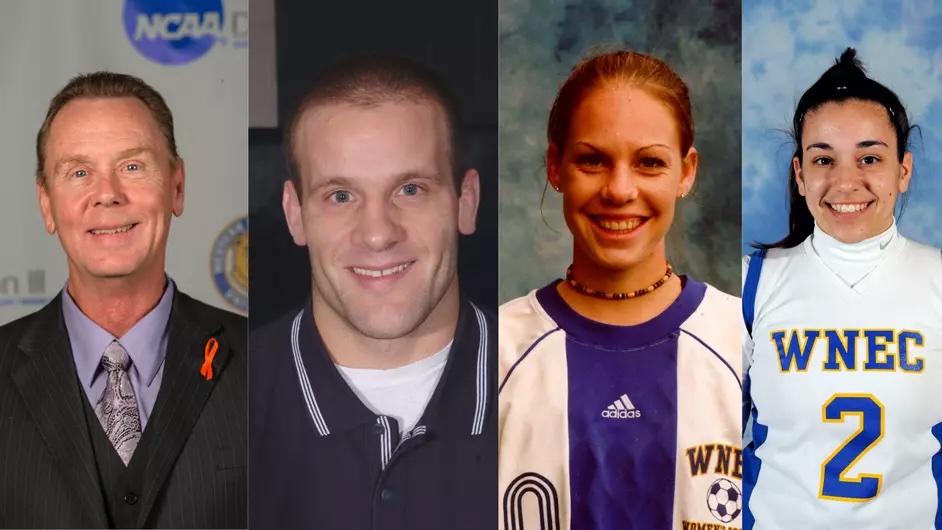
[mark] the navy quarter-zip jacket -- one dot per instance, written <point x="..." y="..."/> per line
<point x="321" y="460"/>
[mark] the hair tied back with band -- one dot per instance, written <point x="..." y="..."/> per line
<point x="848" y="64"/>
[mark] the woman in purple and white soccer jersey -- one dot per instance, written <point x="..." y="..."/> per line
<point x="619" y="386"/>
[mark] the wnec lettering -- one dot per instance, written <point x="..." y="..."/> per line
<point x="694" y="525"/>
<point x="728" y="459"/>
<point x="887" y="350"/>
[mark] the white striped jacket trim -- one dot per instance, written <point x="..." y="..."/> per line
<point x="306" y="389"/>
<point x="385" y="443"/>
<point x="480" y="405"/>
<point x="419" y="430"/>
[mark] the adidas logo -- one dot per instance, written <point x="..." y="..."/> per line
<point x="621" y="409"/>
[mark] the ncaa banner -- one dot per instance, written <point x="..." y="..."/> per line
<point x="195" y="53"/>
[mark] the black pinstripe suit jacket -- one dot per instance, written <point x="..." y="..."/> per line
<point x="195" y="439"/>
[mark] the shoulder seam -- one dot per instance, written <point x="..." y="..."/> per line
<point x="717" y="355"/>
<point x="524" y="356"/>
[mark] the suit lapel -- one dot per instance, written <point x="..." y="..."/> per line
<point x="183" y="393"/>
<point x="45" y="376"/>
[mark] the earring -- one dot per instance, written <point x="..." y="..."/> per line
<point x="556" y="188"/>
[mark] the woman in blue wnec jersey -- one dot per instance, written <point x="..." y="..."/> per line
<point x="619" y="386"/>
<point x="842" y="408"/>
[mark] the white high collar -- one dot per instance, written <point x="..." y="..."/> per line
<point x="853" y="261"/>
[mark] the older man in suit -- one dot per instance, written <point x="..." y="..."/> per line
<point x="122" y="402"/>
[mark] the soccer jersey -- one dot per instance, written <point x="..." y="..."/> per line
<point x="620" y="427"/>
<point x="845" y="390"/>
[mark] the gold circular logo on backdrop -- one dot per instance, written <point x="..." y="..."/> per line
<point x="229" y="263"/>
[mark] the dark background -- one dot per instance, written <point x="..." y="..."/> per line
<point x="458" y="39"/>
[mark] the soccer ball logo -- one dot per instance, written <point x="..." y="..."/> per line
<point x="724" y="500"/>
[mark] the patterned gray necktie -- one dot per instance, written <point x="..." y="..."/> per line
<point x="117" y="408"/>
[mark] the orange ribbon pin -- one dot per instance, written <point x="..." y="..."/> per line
<point x="209" y="353"/>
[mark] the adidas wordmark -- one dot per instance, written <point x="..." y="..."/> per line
<point x="622" y="408"/>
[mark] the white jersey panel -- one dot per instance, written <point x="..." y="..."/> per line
<point x="709" y="425"/>
<point x="539" y="390"/>
<point x="846" y="385"/>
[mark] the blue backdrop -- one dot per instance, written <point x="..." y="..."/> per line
<point x="787" y="45"/>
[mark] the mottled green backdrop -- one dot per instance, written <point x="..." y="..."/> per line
<point x="540" y="42"/>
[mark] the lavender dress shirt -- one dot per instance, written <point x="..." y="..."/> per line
<point x="146" y="344"/>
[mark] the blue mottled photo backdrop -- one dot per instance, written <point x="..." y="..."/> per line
<point x="540" y="42"/>
<point x="787" y="45"/>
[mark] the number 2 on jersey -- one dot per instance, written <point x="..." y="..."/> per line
<point x="835" y="485"/>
